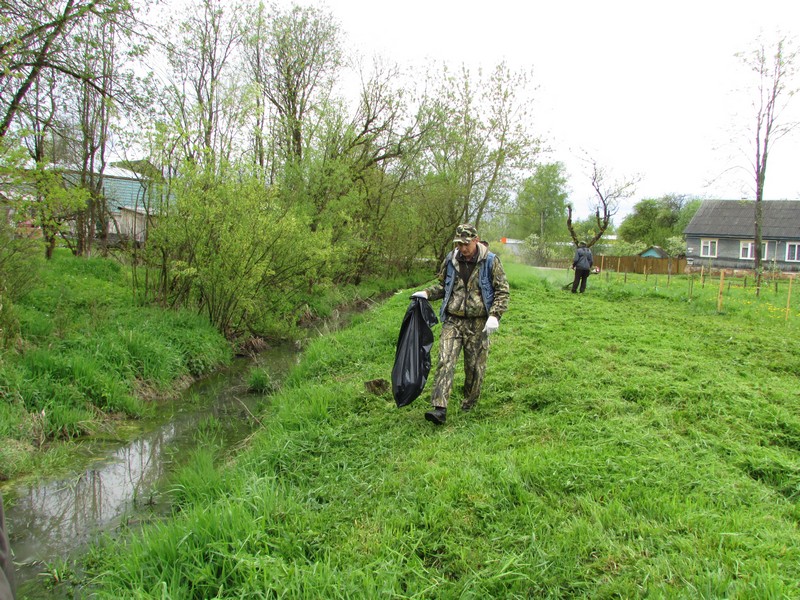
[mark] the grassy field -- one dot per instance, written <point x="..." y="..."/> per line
<point x="628" y="443"/>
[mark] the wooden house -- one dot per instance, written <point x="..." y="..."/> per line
<point x="131" y="202"/>
<point x="721" y="235"/>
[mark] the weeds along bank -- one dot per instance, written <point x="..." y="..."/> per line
<point x="86" y="353"/>
<point x="625" y="445"/>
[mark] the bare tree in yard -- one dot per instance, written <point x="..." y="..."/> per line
<point x="775" y="71"/>
<point x="608" y="196"/>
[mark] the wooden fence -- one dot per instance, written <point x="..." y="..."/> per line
<point x="631" y="264"/>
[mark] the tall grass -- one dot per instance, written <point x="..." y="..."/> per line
<point x="86" y="352"/>
<point x="626" y="445"/>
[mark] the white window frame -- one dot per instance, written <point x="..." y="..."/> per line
<point x="747" y="249"/>
<point x="796" y="246"/>
<point x="705" y="247"/>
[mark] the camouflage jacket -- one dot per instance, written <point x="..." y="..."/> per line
<point x="466" y="301"/>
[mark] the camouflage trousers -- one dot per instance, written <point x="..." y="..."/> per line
<point x="461" y="333"/>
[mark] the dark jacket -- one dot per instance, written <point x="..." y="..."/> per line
<point x="583" y="258"/>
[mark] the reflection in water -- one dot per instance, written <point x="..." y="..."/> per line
<point x="65" y="513"/>
<point x="53" y="520"/>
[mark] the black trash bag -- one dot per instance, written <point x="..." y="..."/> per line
<point x="412" y="359"/>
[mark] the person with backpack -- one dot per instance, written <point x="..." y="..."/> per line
<point x="582" y="263"/>
<point x="474" y="292"/>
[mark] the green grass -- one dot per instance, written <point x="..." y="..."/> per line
<point x="628" y="443"/>
<point x="86" y="354"/>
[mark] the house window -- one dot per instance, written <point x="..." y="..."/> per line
<point x="747" y="250"/>
<point x="793" y="251"/>
<point x="708" y="248"/>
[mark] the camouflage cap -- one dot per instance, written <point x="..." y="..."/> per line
<point x="465" y="233"/>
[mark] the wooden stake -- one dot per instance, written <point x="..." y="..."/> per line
<point x="721" y="288"/>
<point x="789" y="298"/>
<point x="702" y="276"/>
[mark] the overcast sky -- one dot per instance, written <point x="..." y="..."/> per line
<point x="646" y="88"/>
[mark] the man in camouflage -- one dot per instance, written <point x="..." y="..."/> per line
<point x="474" y="292"/>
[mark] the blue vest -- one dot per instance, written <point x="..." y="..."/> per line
<point x="485" y="282"/>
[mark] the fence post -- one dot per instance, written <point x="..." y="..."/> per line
<point x="789" y="298"/>
<point x="702" y="277"/>
<point x="721" y="288"/>
<point x="691" y="285"/>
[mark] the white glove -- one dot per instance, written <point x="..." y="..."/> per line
<point x="422" y="294"/>
<point x="491" y="325"/>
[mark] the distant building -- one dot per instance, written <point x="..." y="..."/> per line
<point x="131" y="201"/>
<point x="654" y="252"/>
<point x="722" y="234"/>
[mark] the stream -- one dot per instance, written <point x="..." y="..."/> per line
<point x="52" y="523"/>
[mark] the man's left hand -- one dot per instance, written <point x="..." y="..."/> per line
<point x="491" y="325"/>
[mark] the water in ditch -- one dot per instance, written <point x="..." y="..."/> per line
<point x="51" y="523"/>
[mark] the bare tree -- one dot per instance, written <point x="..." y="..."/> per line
<point x="608" y="195"/>
<point x="775" y="71"/>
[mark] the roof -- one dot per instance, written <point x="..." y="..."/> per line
<point x="736" y="218"/>
<point x="654" y="251"/>
<point x="123" y="188"/>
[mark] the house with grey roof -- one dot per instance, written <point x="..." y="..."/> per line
<point x="722" y="235"/>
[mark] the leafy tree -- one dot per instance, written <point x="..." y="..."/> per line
<point x="229" y="249"/>
<point x="623" y="248"/>
<point x="35" y="37"/>
<point x="687" y="211"/>
<point x="478" y="147"/>
<point x="653" y="221"/>
<point x="541" y="207"/>
<point x="294" y="57"/>
<point x="202" y="100"/>
<point x="675" y="245"/>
